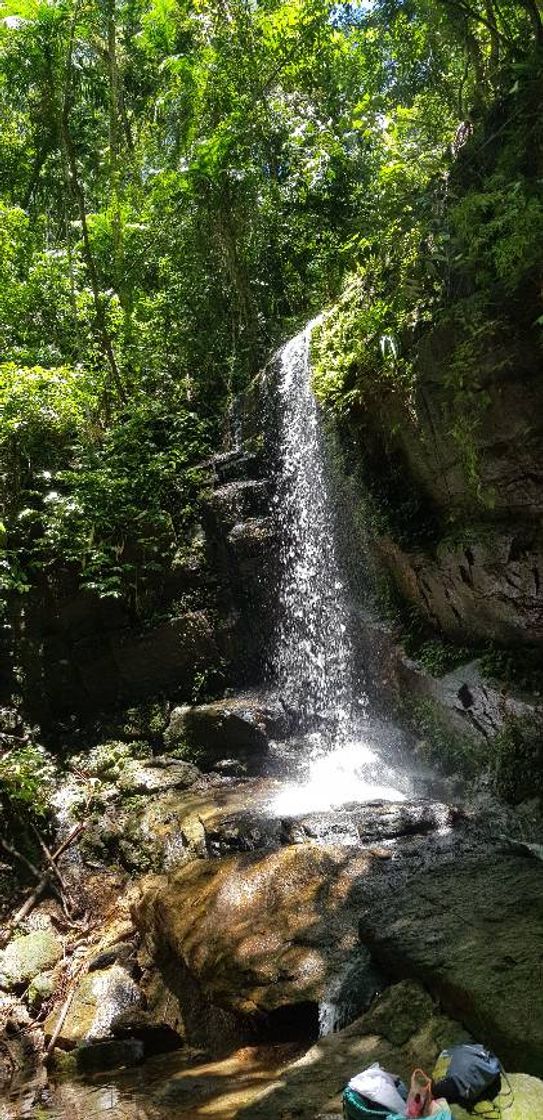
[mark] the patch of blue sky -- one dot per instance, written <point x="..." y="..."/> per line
<point x="350" y="12"/>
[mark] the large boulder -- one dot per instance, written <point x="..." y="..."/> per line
<point x="273" y="924"/>
<point x="259" y="931"/>
<point x="472" y="931"/>
<point x="238" y="727"/>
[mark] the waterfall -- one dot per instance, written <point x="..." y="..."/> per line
<point x="313" y="658"/>
<point x="343" y="755"/>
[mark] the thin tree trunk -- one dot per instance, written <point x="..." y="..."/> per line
<point x="114" y="139"/>
<point x="39" y="161"/>
<point x="494" y="37"/>
<point x="77" y="189"/>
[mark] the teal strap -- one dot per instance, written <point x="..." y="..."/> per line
<point x="356" y="1109"/>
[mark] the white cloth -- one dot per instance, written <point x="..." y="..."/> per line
<point x="380" y="1087"/>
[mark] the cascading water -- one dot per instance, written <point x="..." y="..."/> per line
<point x="313" y="656"/>
<point x="339" y="758"/>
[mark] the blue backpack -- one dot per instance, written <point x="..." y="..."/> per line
<point x="467" y="1074"/>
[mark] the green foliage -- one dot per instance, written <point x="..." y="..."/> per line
<point x="443" y="747"/>
<point x="517" y="763"/>
<point x="112" y="500"/>
<point x="439" y="656"/>
<point x="182" y="184"/>
<point x="42" y="411"/>
<point x="517" y="668"/>
<point x="147" y="721"/>
<point x="26" y="782"/>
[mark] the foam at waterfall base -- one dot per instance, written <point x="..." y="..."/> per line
<point x="331" y="776"/>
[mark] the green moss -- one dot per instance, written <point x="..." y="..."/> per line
<point x="518" y="668"/>
<point x="27" y="956"/>
<point x="107" y="760"/>
<point x="189" y="753"/>
<point x="27" y="780"/>
<point x="443" y="747"/>
<point x="517" y="760"/>
<point x="147" y="720"/>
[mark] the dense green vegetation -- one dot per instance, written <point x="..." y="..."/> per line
<point x="181" y="184"/>
<point x="453" y="234"/>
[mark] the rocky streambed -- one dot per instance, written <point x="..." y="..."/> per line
<point x="227" y="958"/>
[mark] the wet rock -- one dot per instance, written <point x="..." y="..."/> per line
<point x="162" y="1017"/>
<point x="122" y="952"/>
<point x="99" y="998"/>
<point x="21" y="1050"/>
<point x="112" y="1053"/>
<point x="150" y="833"/>
<point x="231" y="767"/>
<point x="235" y="728"/>
<point x="25" y="957"/>
<point x="156" y="1035"/>
<point x="238" y="500"/>
<point x="471" y="930"/>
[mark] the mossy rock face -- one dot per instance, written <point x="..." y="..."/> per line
<point x="25" y="957"/>
<point x="41" y="988"/>
<point x="107" y="761"/>
<point x="162" y="774"/>
<point x="526" y="1102"/>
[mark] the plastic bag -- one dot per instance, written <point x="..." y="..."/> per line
<point x="420" y="1094"/>
<point x="377" y="1085"/>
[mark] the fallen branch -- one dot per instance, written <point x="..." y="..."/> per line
<point x="66" y="899"/>
<point x="46" y="880"/>
<point x="26" y="908"/>
<point x="63" y="1012"/>
<point x="79" y="828"/>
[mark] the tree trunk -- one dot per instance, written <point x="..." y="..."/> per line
<point x="77" y="189"/>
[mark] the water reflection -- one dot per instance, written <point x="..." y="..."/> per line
<point x="185" y="1085"/>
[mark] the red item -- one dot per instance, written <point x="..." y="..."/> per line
<point x="420" y="1094"/>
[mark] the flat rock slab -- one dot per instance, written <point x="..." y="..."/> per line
<point x="472" y="931"/>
